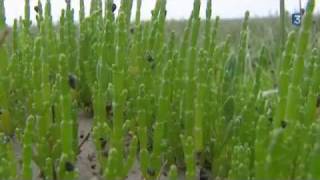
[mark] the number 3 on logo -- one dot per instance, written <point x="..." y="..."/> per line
<point x="296" y="19"/>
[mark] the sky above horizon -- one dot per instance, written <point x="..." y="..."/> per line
<point x="177" y="9"/>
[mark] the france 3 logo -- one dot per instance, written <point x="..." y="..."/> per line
<point x="296" y="19"/>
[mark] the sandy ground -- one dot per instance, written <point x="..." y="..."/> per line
<point x="87" y="166"/>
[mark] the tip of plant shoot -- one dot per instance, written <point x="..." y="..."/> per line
<point x="36" y="9"/>
<point x="114" y="7"/>
<point x="284" y="124"/>
<point x="69" y="166"/>
<point x="72" y="79"/>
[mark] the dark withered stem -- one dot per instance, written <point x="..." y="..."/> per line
<point x="86" y="138"/>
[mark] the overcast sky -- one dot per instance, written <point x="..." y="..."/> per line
<point x="177" y="9"/>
